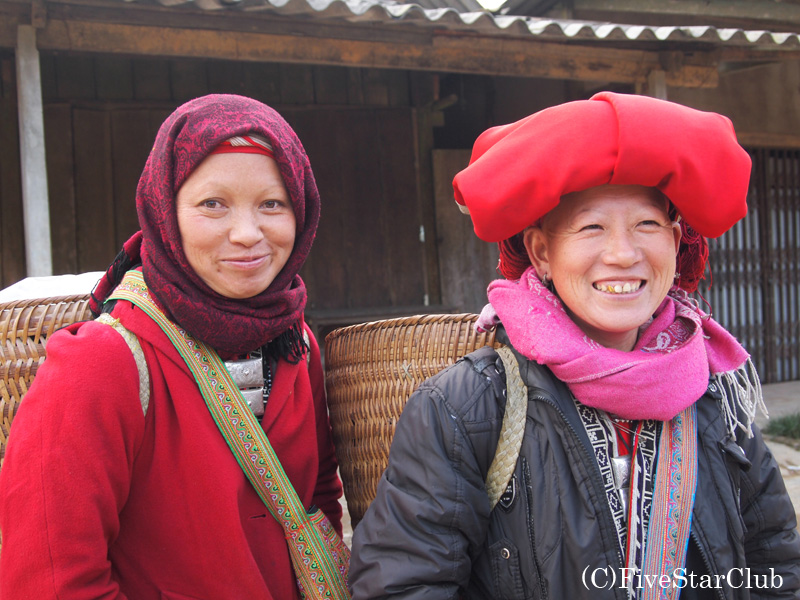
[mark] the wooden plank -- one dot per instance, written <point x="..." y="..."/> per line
<point x="423" y="128"/>
<point x="225" y="77"/>
<point x="114" y="78"/>
<point x="325" y="271"/>
<point x="759" y="139"/>
<point x="370" y="281"/>
<point x="424" y="88"/>
<point x="131" y="140"/>
<point x="12" y="241"/>
<point x="330" y="85"/>
<point x="467" y="264"/>
<point x="403" y="239"/>
<point x="367" y="250"/>
<point x="61" y="183"/>
<point x="450" y="52"/>
<point x="47" y="64"/>
<point x="399" y="88"/>
<point x="263" y="82"/>
<point x="93" y="190"/>
<point x="151" y="79"/>
<point x="74" y="76"/>
<point x="296" y="84"/>
<point x="188" y="79"/>
<point x="355" y="86"/>
<point x="376" y="88"/>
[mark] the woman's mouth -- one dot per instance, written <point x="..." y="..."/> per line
<point x="619" y="288"/>
<point x="246" y="262"/>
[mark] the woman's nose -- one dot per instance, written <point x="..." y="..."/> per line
<point x="244" y="229"/>
<point x="622" y="248"/>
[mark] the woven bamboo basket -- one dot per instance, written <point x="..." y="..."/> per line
<point x="371" y="370"/>
<point x="25" y="326"/>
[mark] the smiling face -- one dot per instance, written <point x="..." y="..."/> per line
<point x="610" y="252"/>
<point x="237" y="223"/>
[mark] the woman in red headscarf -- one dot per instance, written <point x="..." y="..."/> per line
<point x="117" y="487"/>
<point x="622" y="413"/>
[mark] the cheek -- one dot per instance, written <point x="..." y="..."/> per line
<point x="664" y="258"/>
<point x="282" y="233"/>
<point x="198" y="240"/>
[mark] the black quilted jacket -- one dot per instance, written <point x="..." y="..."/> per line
<point x="430" y="534"/>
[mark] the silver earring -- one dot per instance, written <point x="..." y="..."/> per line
<point x="545" y="280"/>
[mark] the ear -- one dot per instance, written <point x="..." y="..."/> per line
<point x="535" y="242"/>
<point x="677" y="234"/>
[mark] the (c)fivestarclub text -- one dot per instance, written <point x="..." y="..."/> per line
<point x="608" y="577"/>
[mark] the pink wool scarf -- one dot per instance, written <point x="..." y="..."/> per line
<point x="666" y="372"/>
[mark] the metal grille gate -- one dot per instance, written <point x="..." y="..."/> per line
<point x="755" y="268"/>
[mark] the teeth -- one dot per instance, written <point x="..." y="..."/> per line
<point x="626" y="288"/>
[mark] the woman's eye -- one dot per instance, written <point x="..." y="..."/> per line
<point x="274" y="204"/>
<point x="650" y="223"/>
<point x="210" y="203"/>
<point x="590" y="227"/>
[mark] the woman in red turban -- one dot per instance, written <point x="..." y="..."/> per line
<point x="638" y="471"/>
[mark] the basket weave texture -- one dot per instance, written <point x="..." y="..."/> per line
<point x="25" y="326"/>
<point x="370" y="371"/>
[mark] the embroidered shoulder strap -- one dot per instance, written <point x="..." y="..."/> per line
<point x="319" y="557"/>
<point x="512" y="430"/>
<point x="138" y="357"/>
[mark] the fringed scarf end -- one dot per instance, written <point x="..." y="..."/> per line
<point x="742" y="398"/>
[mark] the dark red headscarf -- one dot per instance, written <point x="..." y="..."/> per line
<point x="192" y="132"/>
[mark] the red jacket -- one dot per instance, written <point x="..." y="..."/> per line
<point x="98" y="500"/>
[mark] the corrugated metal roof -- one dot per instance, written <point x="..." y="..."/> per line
<point x="459" y="15"/>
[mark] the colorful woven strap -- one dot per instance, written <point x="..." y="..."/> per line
<point x="249" y="445"/>
<point x="673" y="502"/>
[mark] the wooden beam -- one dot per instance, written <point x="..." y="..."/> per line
<point x="744" y="54"/>
<point x="760" y="139"/>
<point x="36" y="211"/>
<point x="445" y="51"/>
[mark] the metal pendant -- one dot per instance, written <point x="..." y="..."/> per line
<point x="621" y="467"/>
<point x="248" y="374"/>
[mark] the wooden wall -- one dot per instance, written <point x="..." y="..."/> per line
<point x="12" y="241"/>
<point x="375" y="253"/>
<point x="390" y="240"/>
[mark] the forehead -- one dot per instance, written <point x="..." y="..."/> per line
<point x="233" y="168"/>
<point x="607" y="198"/>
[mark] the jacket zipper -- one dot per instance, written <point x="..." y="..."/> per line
<point x="717" y="591"/>
<point x="526" y="472"/>
<point x="606" y="511"/>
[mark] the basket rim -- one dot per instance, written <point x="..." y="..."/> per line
<point x="47" y="301"/>
<point x="421" y="319"/>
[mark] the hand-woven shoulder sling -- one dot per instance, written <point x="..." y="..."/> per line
<point x="512" y="430"/>
<point x="138" y="357"/>
<point x="319" y="556"/>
